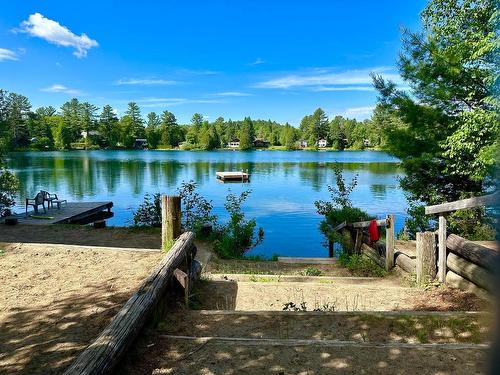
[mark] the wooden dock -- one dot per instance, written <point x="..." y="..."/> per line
<point x="72" y="213"/>
<point x="233" y="176"/>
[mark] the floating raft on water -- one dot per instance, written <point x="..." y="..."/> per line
<point x="233" y="176"/>
<point x="72" y="213"/>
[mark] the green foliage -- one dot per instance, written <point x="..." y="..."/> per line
<point x="196" y="209"/>
<point x="361" y="265"/>
<point x="247" y="134"/>
<point x="449" y="124"/>
<point x="148" y="213"/>
<point x="339" y="208"/>
<point x="238" y="235"/>
<point x="8" y="181"/>
<point x="312" y="271"/>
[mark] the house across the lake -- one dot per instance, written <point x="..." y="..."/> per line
<point x="366" y="143"/>
<point x="234" y="143"/>
<point x="322" y="143"/>
<point x="140" y="143"/>
<point x="302" y="143"/>
<point x="261" y="143"/>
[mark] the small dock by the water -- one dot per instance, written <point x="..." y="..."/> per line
<point x="72" y="213"/>
<point x="233" y="176"/>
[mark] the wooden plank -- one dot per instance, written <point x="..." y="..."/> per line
<point x="426" y="257"/>
<point x="472" y="272"/>
<point x="485" y="200"/>
<point x="249" y="341"/>
<point x="392" y="313"/>
<point x="441" y="258"/>
<point x="366" y="224"/>
<point x="471" y="251"/>
<point x="300" y="260"/>
<point x="340" y="226"/>
<point x="102" y="355"/>
<point x="389" y="242"/>
<point x="456" y="281"/>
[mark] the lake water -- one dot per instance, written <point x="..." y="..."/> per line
<point x="284" y="185"/>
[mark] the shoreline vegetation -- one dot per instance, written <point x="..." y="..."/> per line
<point x="82" y="125"/>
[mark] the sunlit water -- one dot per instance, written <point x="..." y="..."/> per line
<point x="284" y="185"/>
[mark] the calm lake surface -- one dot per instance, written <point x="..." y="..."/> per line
<point x="284" y="185"/>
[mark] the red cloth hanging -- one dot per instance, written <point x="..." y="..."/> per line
<point x="373" y="231"/>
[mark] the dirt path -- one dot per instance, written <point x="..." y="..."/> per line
<point x="53" y="302"/>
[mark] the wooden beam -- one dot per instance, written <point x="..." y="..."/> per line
<point x="102" y="355"/>
<point x="471" y="251"/>
<point x="441" y="260"/>
<point x="340" y="226"/>
<point x="170" y="220"/>
<point x="373" y="254"/>
<point x="389" y="242"/>
<point x="405" y="262"/>
<point x="366" y="224"/>
<point x="426" y="257"/>
<point x="485" y="200"/>
<point x="476" y="274"/>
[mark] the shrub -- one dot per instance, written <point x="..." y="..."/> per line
<point x="149" y="212"/>
<point x="361" y="265"/>
<point x="339" y="208"/>
<point x="312" y="271"/>
<point x="196" y="209"/>
<point x="238" y="235"/>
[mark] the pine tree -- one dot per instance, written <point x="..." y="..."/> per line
<point x="108" y="126"/>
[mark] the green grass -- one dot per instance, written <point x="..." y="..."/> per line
<point x="361" y="265"/>
<point x="311" y="271"/>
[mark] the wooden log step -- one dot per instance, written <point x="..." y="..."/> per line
<point x="405" y="262"/>
<point x="302" y="260"/>
<point x="472" y="272"/>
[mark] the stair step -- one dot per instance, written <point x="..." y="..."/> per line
<point x="374" y="327"/>
<point x="340" y="295"/>
<point x="292" y="278"/>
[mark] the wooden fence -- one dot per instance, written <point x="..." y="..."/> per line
<point x="102" y="355"/>
<point x="454" y="260"/>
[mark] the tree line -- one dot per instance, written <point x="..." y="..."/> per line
<point x="78" y="124"/>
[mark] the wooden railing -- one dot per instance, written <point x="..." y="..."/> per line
<point x="178" y="266"/>
<point x="358" y="228"/>
<point x="445" y="208"/>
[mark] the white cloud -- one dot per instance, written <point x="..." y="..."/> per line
<point x="7" y="54"/>
<point x="232" y="93"/>
<point x="145" y="81"/>
<point x="329" y="79"/>
<point x="343" y="88"/>
<point x="58" y="88"/>
<point x="359" y="112"/>
<point x="258" y="61"/>
<point x="53" y="32"/>
<point x="170" y="102"/>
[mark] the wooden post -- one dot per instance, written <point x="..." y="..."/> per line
<point x="389" y="242"/>
<point x="330" y="248"/>
<point x="170" y="220"/>
<point x="442" y="249"/>
<point x="426" y="256"/>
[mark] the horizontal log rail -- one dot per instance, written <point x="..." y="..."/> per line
<point x="366" y="224"/>
<point x="485" y="200"/>
<point x="101" y="356"/>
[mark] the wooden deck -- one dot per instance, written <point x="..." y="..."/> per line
<point x="72" y="213"/>
<point x="233" y="176"/>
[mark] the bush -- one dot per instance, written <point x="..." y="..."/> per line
<point x="339" y="208"/>
<point x="361" y="265"/>
<point x="196" y="209"/>
<point x="149" y="212"/>
<point x="238" y="235"/>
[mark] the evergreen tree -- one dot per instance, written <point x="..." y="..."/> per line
<point x="169" y="130"/>
<point x="88" y="120"/>
<point x="136" y="122"/>
<point x="108" y="127"/>
<point x="18" y="108"/>
<point x="153" y="134"/>
<point x="247" y="134"/>
<point x="71" y="115"/>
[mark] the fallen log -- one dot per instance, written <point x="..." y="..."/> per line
<point x="457" y="281"/>
<point x="101" y="356"/>
<point x="471" y="251"/>
<point x="470" y="271"/>
<point x="405" y="262"/>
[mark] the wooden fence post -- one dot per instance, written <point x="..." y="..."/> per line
<point x="389" y="242"/>
<point x="426" y="256"/>
<point x="442" y="249"/>
<point x="170" y="220"/>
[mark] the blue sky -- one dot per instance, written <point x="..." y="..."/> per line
<point x="264" y="59"/>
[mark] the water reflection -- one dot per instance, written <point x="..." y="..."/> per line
<point x="284" y="184"/>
